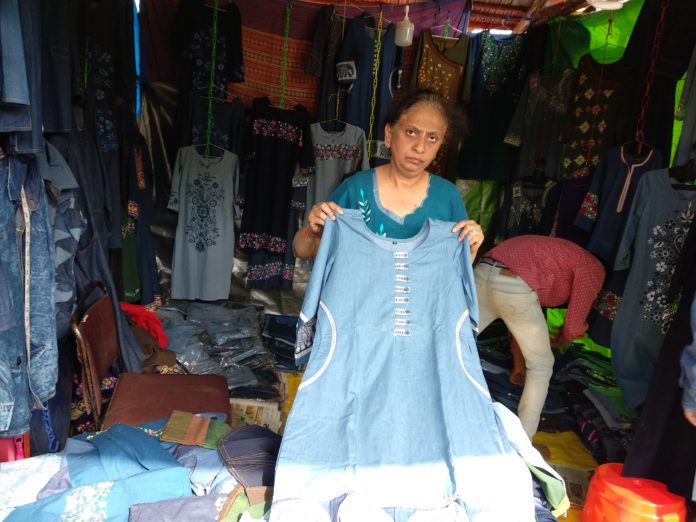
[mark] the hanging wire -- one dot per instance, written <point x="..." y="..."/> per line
<point x="286" y="36"/>
<point x="375" y="74"/>
<point x="213" y="58"/>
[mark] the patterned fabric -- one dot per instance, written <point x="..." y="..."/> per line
<point x="559" y="272"/>
<point x="278" y="129"/>
<point x="593" y="116"/>
<point x="342" y="151"/>
<point x="258" y="241"/>
<point x="665" y="243"/>
<point x="203" y="193"/>
<point x="496" y="59"/>
<point x="538" y="123"/>
<point x="607" y="303"/>
<point x="270" y="270"/>
<point x="651" y="245"/>
<point x="590" y="206"/>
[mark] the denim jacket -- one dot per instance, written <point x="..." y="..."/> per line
<point x="27" y="376"/>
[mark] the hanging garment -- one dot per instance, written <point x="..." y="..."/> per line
<point x="226" y="122"/>
<point x="193" y="44"/>
<point x="355" y="71"/>
<point x="203" y="192"/>
<point x="686" y="149"/>
<point x="663" y="445"/>
<point x="328" y="36"/>
<point x="443" y="64"/>
<point x="603" y="213"/>
<point x="593" y="114"/>
<point x="336" y="156"/>
<point x="281" y="139"/>
<point x="528" y="208"/>
<point x="29" y="354"/>
<point x="538" y="124"/>
<point x="393" y="417"/>
<point x="656" y="228"/>
<point x="495" y="87"/>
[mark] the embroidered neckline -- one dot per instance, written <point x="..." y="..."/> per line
<point x="393" y="215"/>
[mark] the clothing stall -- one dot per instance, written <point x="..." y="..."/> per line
<point x="165" y="356"/>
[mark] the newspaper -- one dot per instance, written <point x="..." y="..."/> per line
<point x="246" y="412"/>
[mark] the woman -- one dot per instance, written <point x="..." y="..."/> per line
<point x="397" y="198"/>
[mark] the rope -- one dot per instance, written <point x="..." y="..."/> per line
<point x="213" y="57"/>
<point x="645" y="101"/>
<point x="375" y="75"/>
<point x="286" y="36"/>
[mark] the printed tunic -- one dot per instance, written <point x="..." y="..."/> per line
<point x="656" y="228"/>
<point x="393" y="414"/>
<point x="203" y="192"/>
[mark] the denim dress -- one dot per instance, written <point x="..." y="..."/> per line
<point x="393" y="419"/>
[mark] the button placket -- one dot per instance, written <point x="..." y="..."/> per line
<point x="401" y="313"/>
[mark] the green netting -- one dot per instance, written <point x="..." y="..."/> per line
<point x="555" y="318"/>
<point x="588" y="33"/>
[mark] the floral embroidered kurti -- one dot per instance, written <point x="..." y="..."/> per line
<point x="203" y="192"/>
<point x="281" y="141"/>
<point x="656" y="228"/>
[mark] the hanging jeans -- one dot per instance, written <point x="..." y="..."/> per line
<point x="509" y="298"/>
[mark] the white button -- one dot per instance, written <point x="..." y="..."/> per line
<point x="402" y="289"/>
<point x="402" y="299"/>
<point x="402" y="311"/>
<point x="402" y="278"/>
<point x="400" y="266"/>
<point x="400" y="255"/>
<point x="402" y="322"/>
<point x="401" y="332"/>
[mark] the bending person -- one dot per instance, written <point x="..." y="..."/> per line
<point x="514" y="280"/>
<point x="397" y="198"/>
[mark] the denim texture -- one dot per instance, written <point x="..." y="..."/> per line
<point x="60" y="63"/>
<point x="390" y="341"/>
<point x="14" y="88"/>
<point x="28" y="139"/>
<point x="26" y="382"/>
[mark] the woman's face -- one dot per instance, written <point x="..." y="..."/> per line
<point x="415" y="138"/>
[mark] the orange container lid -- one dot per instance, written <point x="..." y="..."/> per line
<point x="637" y="496"/>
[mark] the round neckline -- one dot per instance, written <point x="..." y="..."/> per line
<point x="331" y="134"/>
<point x="393" y="215"/>
<point x="208" y="162"/>
<point x="407" y="244"/>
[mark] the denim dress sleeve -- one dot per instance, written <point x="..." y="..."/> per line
<point x="307" y="322"/>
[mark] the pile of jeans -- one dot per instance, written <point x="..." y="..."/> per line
<point x="222" y="339"/>
<point x="279" y="337"/>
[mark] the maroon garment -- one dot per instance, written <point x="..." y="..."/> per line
<point x="559" y="271"/>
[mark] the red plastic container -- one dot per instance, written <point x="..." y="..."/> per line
<point x="613" y="498"/>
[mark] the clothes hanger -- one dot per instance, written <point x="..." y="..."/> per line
<point x="208" y="145"/>
<point x="220" y="9"/>
<point x="288" y="103"/>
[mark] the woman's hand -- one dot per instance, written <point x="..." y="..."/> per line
<point x="318" y="214"/>
<point x="471" y="230"/>
<point x="690" y="416"/>
<point x="305" y="244"/>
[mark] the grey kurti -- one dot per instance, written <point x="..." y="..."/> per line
<point x="203" y="192"/>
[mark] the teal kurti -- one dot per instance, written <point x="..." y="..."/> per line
<point x="442" y="202"/>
